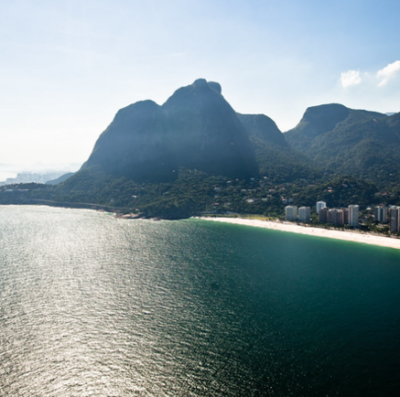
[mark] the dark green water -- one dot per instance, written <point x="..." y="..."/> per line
<point x="95" y="306"/>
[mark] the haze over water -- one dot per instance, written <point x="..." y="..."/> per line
<point x="91" y="305"/>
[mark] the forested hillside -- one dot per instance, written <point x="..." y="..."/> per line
<point x="346" y="141"/>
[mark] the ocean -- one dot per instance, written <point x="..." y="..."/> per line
<point x="93" y="305"/>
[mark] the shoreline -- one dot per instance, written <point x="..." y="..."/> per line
<point x="356" y="237"/>
<point x="63" y="204"/>
<point x="312" y="231"/>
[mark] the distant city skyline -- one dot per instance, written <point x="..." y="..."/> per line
<point x="67" y="67"/>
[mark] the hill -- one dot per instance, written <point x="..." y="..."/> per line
<point x="356" y="142"/>
<point x="276" y="159"/>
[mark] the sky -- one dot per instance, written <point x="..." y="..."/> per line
<point x="67" y="66"/>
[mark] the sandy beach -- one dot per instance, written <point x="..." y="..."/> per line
<point x="314" y="231"/>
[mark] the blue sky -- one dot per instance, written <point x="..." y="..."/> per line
<point x="67" y="66"/>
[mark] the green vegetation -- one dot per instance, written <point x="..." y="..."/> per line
<point x="195" y="192"/>
<point x="276" y="159"/>
<point x="355" y="142"/>
<point x="341" y="191"/>
<point x="194" y="155"/>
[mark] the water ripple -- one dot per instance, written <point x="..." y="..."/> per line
<point x="91" y="305"/>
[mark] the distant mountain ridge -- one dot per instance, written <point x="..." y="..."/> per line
<point x="36" y="177"/>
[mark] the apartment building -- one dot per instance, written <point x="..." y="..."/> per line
<point x="381" y="213"/>
<point x="353" y="215"/>
<point x="291" y="213"/>
<point x="304" y="214"/>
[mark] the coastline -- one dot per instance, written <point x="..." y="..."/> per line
<point x="51" y="203"/>
<point x="356" y="237"/>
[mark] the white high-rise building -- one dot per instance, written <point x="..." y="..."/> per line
<point x="304" y="214"/>
<point x="353" y="215"/>
<point x="291" y="213"/>
<point x="320" y="205"/>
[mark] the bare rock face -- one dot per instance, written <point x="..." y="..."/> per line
<point x="215" y="86"/>
<point x="195" y="128"/>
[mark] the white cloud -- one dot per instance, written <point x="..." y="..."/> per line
<point x="388" y="72"/>
<point x="352" y="77"/>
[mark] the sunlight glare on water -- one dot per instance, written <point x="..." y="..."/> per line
<point x="92" y="305"/>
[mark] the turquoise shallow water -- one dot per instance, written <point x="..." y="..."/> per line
<point x="91" y="305"/>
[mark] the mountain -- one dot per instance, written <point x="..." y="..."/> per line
<point x="168" y="160"/>
<point x="194" y="153"/>
<point x="275" y="157"/>
<point x="347" y="141"/>
<point x="195" y="128"/>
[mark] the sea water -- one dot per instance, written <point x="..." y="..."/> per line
<point x="92" y="305"/>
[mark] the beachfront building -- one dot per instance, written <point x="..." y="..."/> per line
<point x="345" y="215"/>
<point x="353" y="215"/>
<point x="381" y="212"/>
<point x="336" y="216"/>
<point x="304" y="214"/>
<point x="291" y="213"/>
<point x="394" y="219"/>
<point x="320" y="205"/>
<point x="323" y="214"/>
